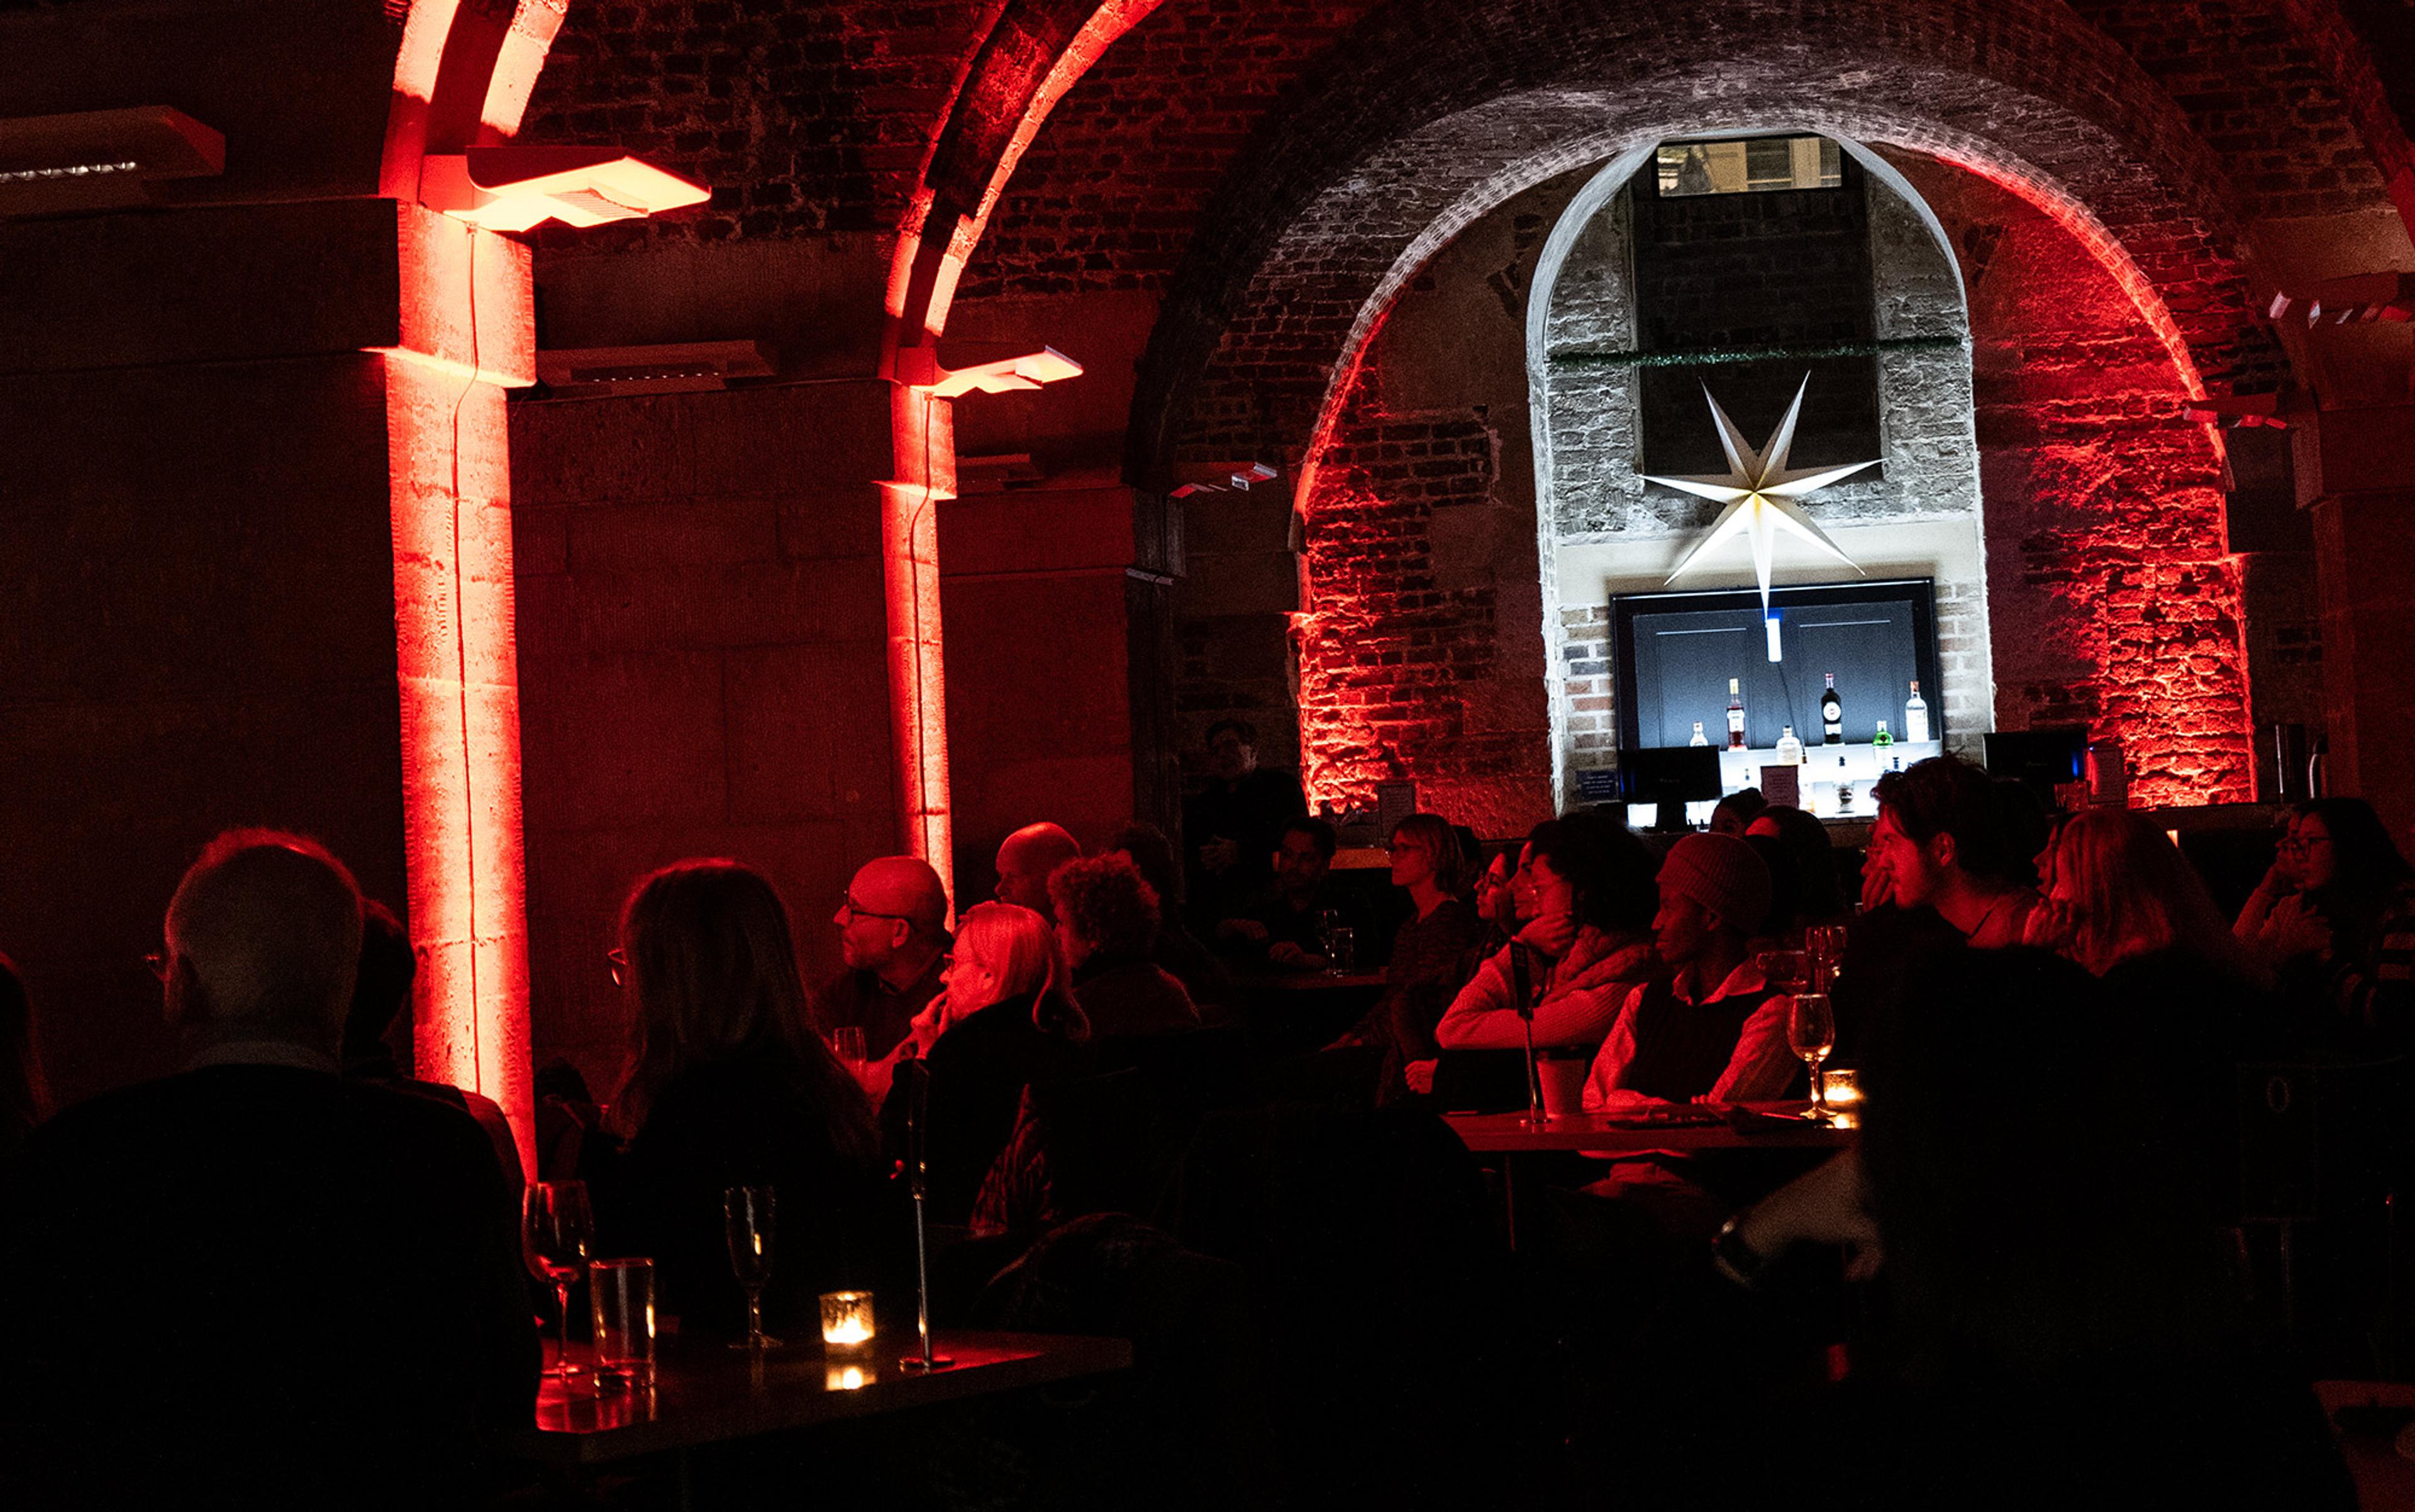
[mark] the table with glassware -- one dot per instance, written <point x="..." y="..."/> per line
<point x="1689" y="1129"/>
<point x="707" y="1393"/>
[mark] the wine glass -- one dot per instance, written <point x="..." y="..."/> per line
<point x="557" y="1235"/>
<point x="748" y="1212"/>
<point x="1812" y="1029"/>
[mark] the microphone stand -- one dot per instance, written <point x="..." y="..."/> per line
<point x="1520" y="981"/>
<point x="918" y="1117"/>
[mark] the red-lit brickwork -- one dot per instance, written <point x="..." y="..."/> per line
<point x="1383" y="650"/>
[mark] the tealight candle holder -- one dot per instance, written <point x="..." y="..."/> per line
<point x="1844" y="1088"/>
<point x="847" y="1321"/>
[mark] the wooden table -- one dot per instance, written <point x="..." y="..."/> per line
<point x="709" y="1394"/>
<point x="2385" y="1477"/>
<point x="1771" y="1126"/>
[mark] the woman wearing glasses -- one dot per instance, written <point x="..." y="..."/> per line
<point x="729" y="1086"/>
<point x="2334" y="919"/>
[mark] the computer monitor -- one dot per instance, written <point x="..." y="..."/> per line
<point x="1672" y="775"/>
<point x="2041" y="759"/>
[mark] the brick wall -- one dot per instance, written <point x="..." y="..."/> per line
<point x="701" y="666"/>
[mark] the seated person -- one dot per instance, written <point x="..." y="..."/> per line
<point x="1429" y="952"/>
<point x="892" y="933"/>
<point x="729" y="1086"/>
<point x="1004" y="1021"/>
<point x="1178" y="952"/>
<point x="1584" y="886"/>
<point x="1027" y="858"/>
<point x="1230" y="828"/>
<point x="1817" y="899"/>
<point x="1715" y="1031"/>
<point x="1106" y="919"/>
<point x="1283" y="930"/>
<point x="256" y="1283"/>
<point x="380" y="991"/>
<point x="1939" y="844"/>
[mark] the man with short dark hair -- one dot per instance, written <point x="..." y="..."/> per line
<point x="254" y="1282"/>
<point x="1283" y="927"/>
<point x="1230" y="829"/>
<point x="892" y="933"/>
<point x="1939" y="845"/>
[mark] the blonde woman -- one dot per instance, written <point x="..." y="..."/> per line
<point x="2122" y="890"/>
<point x="1003" y="1021"/>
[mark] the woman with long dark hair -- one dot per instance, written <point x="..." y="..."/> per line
<point x="2334" y="919"/>
<point x="729" y="1086"/>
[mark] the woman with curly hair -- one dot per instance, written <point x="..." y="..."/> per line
<point x="1106" y="920"/>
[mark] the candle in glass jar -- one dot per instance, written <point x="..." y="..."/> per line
<point x="846" y="1320"/>
<point x="1844" y="1088"/>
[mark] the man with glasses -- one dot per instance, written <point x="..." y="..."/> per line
<point x="892" y="932"/>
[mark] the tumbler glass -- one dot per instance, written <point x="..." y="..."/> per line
<point x="621" y="1294"/>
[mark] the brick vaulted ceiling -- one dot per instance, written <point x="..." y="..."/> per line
<point x="1275" y="169"/>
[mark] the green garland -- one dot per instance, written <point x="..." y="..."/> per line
<point x="1742" y="354"/>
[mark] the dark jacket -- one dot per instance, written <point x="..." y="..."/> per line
<point x="884" y="1013"/>
<point x="978" y="1071"/>
<point x="1124" y="995"/>
<point x="259" y="1284"/>
<point x="744" y="1123"/>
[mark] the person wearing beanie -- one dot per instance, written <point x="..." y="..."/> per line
<point x="1715" y="1031"/>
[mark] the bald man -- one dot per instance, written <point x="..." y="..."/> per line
<point x="892" y="933"/>
<point x="1027" y="858"/>
<point x="330" y="1242"/>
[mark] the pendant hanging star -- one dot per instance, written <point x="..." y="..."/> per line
<point x="1759" y="490"/>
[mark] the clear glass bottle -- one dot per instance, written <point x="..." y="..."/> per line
<point x="1699" y="738"/>
<point x="1844" y="788"/>
<point x="1790" y="750"/>
<point x="1915" y="715"/>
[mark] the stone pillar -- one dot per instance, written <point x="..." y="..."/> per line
<point x="2352" y="474"/>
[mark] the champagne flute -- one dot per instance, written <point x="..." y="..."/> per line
<point x="748" y="1212"/>
<point x="1812" y="1030"/>
<point x="557" y="1235"/>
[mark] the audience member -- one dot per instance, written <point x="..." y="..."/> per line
<point x="2334" y="917"/>
<point x="1178" y="952"/>
<point x="1817" y="899"/>
<point x="2122" y="890"/>
<point x="380" y="991"/>
<point x="255" y="1283"/>
<point x="1584" y="888"/>
<point x="1714" y="1030"/>
<point x="1497" y="907"/>
<point x="1428" y="954"/>
<point x="892" y="933"/>
<point x="2057" y="1308"/>
<point x="730" y="1085"/>
<point x="1283" y="930"/>
<point x="1027" y="858"/>
<point x="1733" y="814"/>
<point x="1783" y="925"/>
<point x="1005" y="1021"/>
<point x="24" y="1091"/>
<point x="1939" y="845"/>
<point x="1230" y="829"/>
<point x="1106" y="920"/>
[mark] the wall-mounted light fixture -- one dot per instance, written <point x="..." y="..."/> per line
<point x="1234" y="482"/>
<point x="512" y="188"/>
<point x="918" y="368"/>
<point x="2354" y="300"/>
<point x="2239" y="412"/>
<point x="100" y="159"/>
<point x="686" y="366"/>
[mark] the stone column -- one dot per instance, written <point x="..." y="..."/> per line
<point x="2353" y="476"/>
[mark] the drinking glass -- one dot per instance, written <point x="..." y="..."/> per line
<point x="747" y="1215"/>
<point x="557" y="1232"/>
<point x="621" y="1301"/>
<point x="847" y="1043"/>
<point x="1785" y="971"/>
<point x="1328" y="921"/>
<point x="1826" y="944"/>
<point x="1341" y="950"/>
<point x="1812" y="1029"/>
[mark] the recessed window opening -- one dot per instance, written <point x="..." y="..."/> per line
<point x="1757" y="165"/>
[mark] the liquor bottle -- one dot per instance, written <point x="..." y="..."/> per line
<point x="1844" y="788"/>
<point x="1790" y="750"/>
<point x="1699" y="737"/>
<point x="1832" y="716"/>
<point x="1915" y="715"/>
<point x="1882" y="740"/>
<point x="1736" y="713"/>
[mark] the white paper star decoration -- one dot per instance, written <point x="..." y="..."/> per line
<point x="1760" y="492"/>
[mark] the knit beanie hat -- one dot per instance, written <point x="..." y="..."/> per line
<point x="1719" y="873"/>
